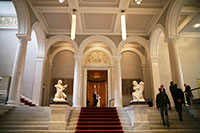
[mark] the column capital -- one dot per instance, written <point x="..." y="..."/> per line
<point x="78" y="57"/>
<point x="171" y="38"/>
<point x="117" y="57"/>
<point x="40" y="57"/>
<point x="153" y="59"/>
<point x="23" y="37"/>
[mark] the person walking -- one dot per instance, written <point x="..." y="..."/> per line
<point x="162" y="101"/>
<point x="95" y="100"/>
<point x="188" y="94"/>
<point x="179" y="101"/>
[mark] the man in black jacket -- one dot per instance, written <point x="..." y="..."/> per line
<point x="179" y="100"/>
<point x="161" y="103"/>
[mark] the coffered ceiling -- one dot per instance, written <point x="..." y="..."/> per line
<point x="103" y="16"/>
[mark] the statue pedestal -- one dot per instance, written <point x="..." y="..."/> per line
<point x="138" y="116"/>
<point x="59" y="116"/>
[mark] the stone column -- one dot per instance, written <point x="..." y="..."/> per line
<point x="144" y="80"/>
<point x="37" y="86"/>
<point x="155" y="76"/>
<point x="118" y="82"/>
<point x="50" y="66"/>
<point x="77" y="81"/>
<point x="18" y="72"/>
<point x="176" y="69"/>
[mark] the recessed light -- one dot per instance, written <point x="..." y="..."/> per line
<point x="61" y="1"/>
<point x="197" y="25"/>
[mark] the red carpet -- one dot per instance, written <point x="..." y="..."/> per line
<point x="99" y="120"/>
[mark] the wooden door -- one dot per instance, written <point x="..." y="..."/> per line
<point x="98" y="83"/>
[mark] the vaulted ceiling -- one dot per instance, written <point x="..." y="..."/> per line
<point x="103" y="16"/>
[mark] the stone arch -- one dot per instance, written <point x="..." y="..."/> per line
<point x="40" y="34"/>
<point x="23" y="17"/>
<point x="172" y="17"/>
<point x="155" y="35"/>
<point x="51" y="57"/>
<point x="142" y="58"/>
<point x="57" y="38"/>
<point x="137" y="39"/>
<point x="100" y="49"/>
<point x="97" y="38"/>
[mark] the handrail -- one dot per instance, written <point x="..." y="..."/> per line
<point x="110" y="102"/>
<point x="195" y="88"/>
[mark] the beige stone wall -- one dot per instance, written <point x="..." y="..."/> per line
<point x="131" y="66"/>
<point x="63" y="65"/>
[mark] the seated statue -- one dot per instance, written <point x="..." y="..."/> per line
<point x="60" y="95"/>
<point x="138" y="92"/>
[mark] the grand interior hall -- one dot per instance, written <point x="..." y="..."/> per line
<point x="97" y="46"/>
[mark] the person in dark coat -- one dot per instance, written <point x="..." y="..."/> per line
<point x="188" y="94"/>
<point x="179" y="100"/>
<point x="172" y="90"/>
<point x="162" y="101"/>
<point x="95" y="100"/>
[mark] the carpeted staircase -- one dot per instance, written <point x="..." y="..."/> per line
<point x="99" y="120"/>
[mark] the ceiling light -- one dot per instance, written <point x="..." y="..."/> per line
<point x="138" y="2"/>
<point x="123" y="25"/>
<point x="73" y="25"/>
<point x="197" y="25"/>
<point x="61" y="1"/>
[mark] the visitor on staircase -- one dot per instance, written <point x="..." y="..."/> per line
<point x="162" y="101"/>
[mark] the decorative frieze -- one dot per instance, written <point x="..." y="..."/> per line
<point x="97" y="57"/>
<point x="8" y="22"/>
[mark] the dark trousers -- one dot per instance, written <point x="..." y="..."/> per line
<point x="178" y="107"/>
<point x="165" y="117"/>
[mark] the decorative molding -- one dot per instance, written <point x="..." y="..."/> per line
<point x="97" y="57"/>
<point x="8" y="22"/>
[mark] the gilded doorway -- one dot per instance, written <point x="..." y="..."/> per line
<point x="97" y="80"/>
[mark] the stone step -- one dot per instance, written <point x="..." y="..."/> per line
<point x="24" y="123"/>
<point x="24" y="119"/>
<point x="24" y="115"/>
<point x="37" y="131"/>
<point x="75" y="123"/>
<point x="175" y="127"/>
<point x="30" y="127"/>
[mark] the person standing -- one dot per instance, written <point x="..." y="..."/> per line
<point x="188" y="94"/>
<point x="162" y="101"/>
<point x="179" y="100"/>
<point x="95" y="100"/>
<point x="172" y="90"/>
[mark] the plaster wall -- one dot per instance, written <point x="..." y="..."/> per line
<point x="189" y="54"/>
<point x="63" y="65"/>
<point x="131" y="66"/>
<point x="8" y="47"/>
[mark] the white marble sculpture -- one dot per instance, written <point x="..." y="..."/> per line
<point x="138" y="93"/>
<point x="60" y="95"/>
<point x="99" y="101"/>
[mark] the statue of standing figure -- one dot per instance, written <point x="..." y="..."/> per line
<point x="138" y="92"/>
<point x="60" y="95"/>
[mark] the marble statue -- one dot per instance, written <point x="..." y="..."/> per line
<point x="60" y="95"/>
<point x="99" y="101"/>
<point x="138" y="92"/>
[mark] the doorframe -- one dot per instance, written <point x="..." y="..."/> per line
<point x="109" y="79"/>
